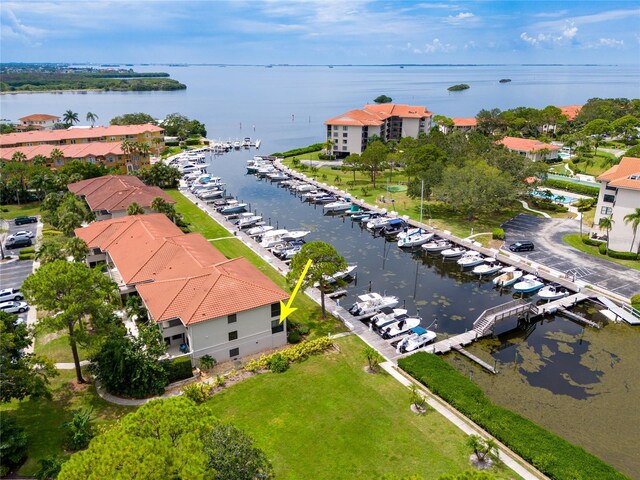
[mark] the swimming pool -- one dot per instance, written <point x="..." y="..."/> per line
<point x="553" y="196"/>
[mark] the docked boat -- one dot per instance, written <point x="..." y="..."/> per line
<point x="295" y="235"/>
<point x="236" y="208"/>
<point x="489" y="267"/>
<point x="415" y="239"/>
<point x="470" y="259"/>
<point x="338" y="206"/>
<point x="437" y="245"/>
<point x="248" y="221"/>
<point x="322" y="199"/>
<point x="273" y="238"/>
<point x="553" y="291"/>
<point x="453" y="252"/>
<point x="261" y="230"/>
<point x="419" y="338"/>
<point x="378" y="222"/>
<point x="210" y="194"/>
<point x="529" y="283"/>
<point x="288" y="253"/>
<point x="372" y="302"/>
<point x="277" y="176"/>
<point x="394" y="227"/>
<point x="386" y="317"/>
<point x="347" y="272"/>
<point x="402" y="326"/>
<point x="304" y="187"/>
<point x="507" y="278"/>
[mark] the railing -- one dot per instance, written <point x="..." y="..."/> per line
<point x="500" y="312"/>
<point x="633" y="311"/>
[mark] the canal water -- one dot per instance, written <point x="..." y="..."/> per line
<point x="576" y="381"/>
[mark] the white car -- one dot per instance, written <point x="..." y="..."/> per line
<point x="21" y="234"/>
<point x="10" y="294"/>
<point x="14" y="307"/>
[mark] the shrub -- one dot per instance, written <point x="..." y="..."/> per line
<point x="547" y="204"/>
<point x="13" y="447"/>
<point x="207" y="362"/>
<point x="26" y="256"/>
<point x="561" y="458"/>
<point x="178" y="369"/>
<point x="497" y="234"/>
<point x="292" y="354"/>
<point x="602" y="249"/>
<point x="80" y="429"/>
<point x="373" y="358"/>
<point x="192" y="141"/>
<point x="197" y="392"/>
<point x="572" y="187"/>
<point x="278" y="364"/>
<point x="623" y="255"/>
<point x="324" y="156"/>
<point x="28" y="250"/>
<point x="590" y="241"/>
<point x="171" y="144"/>
<point x="299" y="151"/>
<point x="219" y="381"/>
<point x="635" y="301"/>
<point x="50" y="232"/>
<point x="294" y="337"/>
<point x="49" y="467"/>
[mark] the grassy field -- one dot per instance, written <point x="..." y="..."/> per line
<point x="59" y="350"/>
<point x="308" y="312"/>
<point x="433" y="212"/>
<point x="44" y="419"/>
<point x="598" y="164"/>
<point x="575" y="241"/>
<point x="326" y="418"/>
<point x="13" y="211"/>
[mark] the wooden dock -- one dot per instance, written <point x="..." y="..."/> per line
<point x="479" y="361"/>
<point x="445" y="346"/>
<point x="555" y="305"/>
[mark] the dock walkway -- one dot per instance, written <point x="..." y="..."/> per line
<point x="626" y="313"/>
<point x="478" y="360"/>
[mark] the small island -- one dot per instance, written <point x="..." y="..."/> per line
<point x="459" y="87"/>
<point x="505" y="80"/>
<point x="24" y="78"/>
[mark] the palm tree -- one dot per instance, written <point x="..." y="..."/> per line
<point x="69" y="117"/>
<point x="55" y="155"/>
<point x="92" y="117"/>
<point x="135" y="209"/>
<point x="484" y="450"/>
<point x="606" y="223"/>
<point x="570" y="143"/>
<point x="18" y="157"/>
<point x="328" y="145"/>
<point x="158" y="143"/>
<point x="128" y="147"/>
<point x="39" y="161"/>
<point x="50" y="251"/>
<point x="634" y="218"/>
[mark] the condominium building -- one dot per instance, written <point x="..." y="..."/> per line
<point x="459" y="125"/>
<point x="38" y="121"/>
<point x="350" y="132"/>
<point x="202" y="302"/>
<point x="532" y="149"/>
<point x="620" y="196"/>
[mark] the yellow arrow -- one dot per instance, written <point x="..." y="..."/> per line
<point x="286" y="310"/>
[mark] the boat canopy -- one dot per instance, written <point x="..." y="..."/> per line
<point x="419" y="330"/>
<point x="386" y="310"/>
<point x="396" y="221"/>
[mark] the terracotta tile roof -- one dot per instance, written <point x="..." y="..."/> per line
<point x="526" y="145"/>
<point x="79" y="150"/>
<point x="571" y="111"/>
<point x="465" y="122"/>
<point x="55" y="136"/>
<point x="624" y="175"/>
<point x="115" y="193"/>
<point x="372" y="115"/>
<point x="38" y="117"/>
<point x="218" y="291"/>
<point x="355" y="117"/>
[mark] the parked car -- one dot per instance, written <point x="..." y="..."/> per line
<point x="21" y="234"/>
<point x="25" y="220"/>
<point x="19" y="242"/>
<point x="10" y="294"/>
<point x="14" y="307"/>
<point x="522" y="246"/>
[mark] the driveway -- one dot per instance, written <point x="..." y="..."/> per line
<point x="552" y="252"/>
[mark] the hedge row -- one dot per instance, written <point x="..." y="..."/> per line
<point x="623" y="255"/>
<point x="299" y="151"/>
<point x="179" y="369"/>
<point x="590" y="241"/>
<point x="602" y="249"/>
<point x="546" y="204"/>
<point x="548" y="452"/>
<point x="572" y="187"/>
<point x="292" y="354"/>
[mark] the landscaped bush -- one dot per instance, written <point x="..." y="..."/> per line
<point x="602" y="249"/>
<point x="572" y="187"/>
<point x="324" y="156"/>
<point x="553" y="455"/>
<point x="198" y="392"/>
<point x="547" y="204"/>
<point x="26" y="256"/>
<point x="13" y="447"/>
<point x="635" y="301"/>
<point x="299" y="151"/>
<point x="28" y="250"/>
<point x="179" y="369"/>
<point x="50" y="232"/>
<point x="292" y="354"/>
<point x="497" y="234"/>
<point x="587" y="240"/>
<point x="172" y="144"/>
<point x="294" y="337"/>
<point x="192" y="141"/>
<point x="623" y="255"/>
<point x="278" y="364"/>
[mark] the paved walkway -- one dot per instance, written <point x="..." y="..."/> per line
<point x="525" y="205"/>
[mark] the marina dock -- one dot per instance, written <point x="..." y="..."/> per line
<point x="479" y="361"/>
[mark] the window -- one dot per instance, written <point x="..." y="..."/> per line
<point x="175" y="322"/>
<point x="609" y="198"/>
<point x="275" y="309"/>
<point x="233" y="335"/>
<point x="344" y="149"/>
<point x="335" y="134"/>
<point x="613" y="189"/>
<point x="177" y="337"/>
<point x="276" y="326"/>
<point x="110" y="159"/>
<point x="345" y="128"/>
<point x="112" y="139"/>
<point x="233" y="318"/>
<point x="234" y="352"/>
<point x="344" y="135"/>
<point x="606" y="211"/>
<point x="335" y="127"/>
<point x="344" y="142"/>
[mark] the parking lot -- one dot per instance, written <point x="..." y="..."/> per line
<point x="12" y="274"/>
<point x="551" y="251"/>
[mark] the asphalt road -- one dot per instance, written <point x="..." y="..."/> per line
<point x="551" y="251"/>
<point x="13" y="274"/>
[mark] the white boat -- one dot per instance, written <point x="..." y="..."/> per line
<point x="248" y="221"/>
<point x="277" y="176"/>
<point x="236" y="208"/>
<point x="415" y="239"/>
<point x="273" y="238"/>
<point x="419" y="338"/>
<point x="489" y="267"/>
<point x="507" y="278"/>
<point x="553" y="291"/>
<point x="295" y="235"/>
<point x="529" y="283"/>
<point x="261" y="230"/>
<point x="386" y="316"/>
<point x="372" y="302"/>
<point x="258" y="142"/>
<point x="403" y="325"/>
<point x="210" y="194"/>
<point x="453" y="252"/>
<point x="378" y="222"/>
<point x="237" y="145"/>
<point x="339" y="206"/>
<point x="437" y="245"/>
<point x="304" y="187"/>
<point x="289" y="252"/>
<point x="470" y="259"/>
<point x="341" y="274"/>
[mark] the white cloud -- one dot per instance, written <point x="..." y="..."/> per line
<point x="606" y="43"/>
<point x="567" y="34"/>
<point x="13" y="28"/>
<point x="559" y="13"/>
<point x="589" y="19"/>
<point x="434" y="46"/>
<point x="461" y="17"/>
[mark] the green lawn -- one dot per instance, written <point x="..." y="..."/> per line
<point x="13" y="211"/>
<point x="308" y="312"/>
<point x="59" y="350"/>
<point x="575" y="241"/>
<point x="44" y="419"/>
<point x="327" y="419"/>
<point x="596" y="165"/>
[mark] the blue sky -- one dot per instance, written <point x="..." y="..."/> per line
<point x="320" y="31"/>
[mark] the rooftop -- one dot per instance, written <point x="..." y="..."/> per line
<point x="38" y="117"/>
<point x="624" y="175"/>
<point x="571" y="111"/>
<point x="465" y="122"/>
<point x="375" y="114"/>
<point x="78" y="150"/>
<point x="526" y="145"/>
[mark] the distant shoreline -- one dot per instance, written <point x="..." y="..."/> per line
<point x="85" y="90"/>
